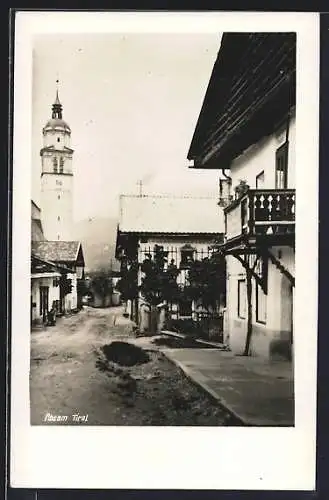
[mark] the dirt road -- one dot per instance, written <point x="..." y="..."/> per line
<point x="75" y="378"/>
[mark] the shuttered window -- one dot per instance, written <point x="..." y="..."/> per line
<point x="281" y="167"/>
<point x="242" y="299"/>
<point x="261" y="303"/>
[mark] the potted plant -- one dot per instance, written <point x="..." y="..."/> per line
<point x="241" y="188"/>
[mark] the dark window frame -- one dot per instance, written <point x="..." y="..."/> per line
<point x="55" y="165"/>
<point x="262" y="173"/>
<point x="240" y="282"/>
<point x="259" y="289"/>
<point x="281" y="165"/>
<point x="61" y="165"/>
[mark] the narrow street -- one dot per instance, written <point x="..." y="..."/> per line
<point x="74" y="379"/>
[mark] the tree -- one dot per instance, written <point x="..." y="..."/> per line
<point x="158" y="284"/>
<point x="101" y="284"/>
<point x="127" y="285"/>
<point x="207" y="280"/>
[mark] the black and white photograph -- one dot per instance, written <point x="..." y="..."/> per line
<point x="164" y="286"/>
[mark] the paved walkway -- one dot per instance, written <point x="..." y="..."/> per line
<point x="254" y="391"/>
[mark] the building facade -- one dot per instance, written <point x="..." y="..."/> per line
<point x="68" y="257"/>
<point x="247" y="128"/>
<point x="179" y="227"/>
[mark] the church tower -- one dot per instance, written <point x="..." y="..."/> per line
<point x="57" y="177"/>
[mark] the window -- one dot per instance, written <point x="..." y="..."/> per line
<point x="187" y="253"/>
<point x="58" y="218"/>
<point x="260" y="179"/>
<point x="281" y="166"/>
<point x="61" y="165"/>
<point x="242" y="299"/>
<point x="44" y="297"/>
<point x="58" y="197"/>
<point x="261" y="302"/>
<point x="185" y="308"/>
<point x="58" y="183"/>
<point x="55" y="164"/>
<point x="58" y="139"/>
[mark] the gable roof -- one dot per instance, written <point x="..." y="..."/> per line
<point x="57" y="251"/>
<point x="167" y="214"/>
<point x="42" y="266"/>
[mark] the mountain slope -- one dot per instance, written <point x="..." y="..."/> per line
<point x="98" y="237"/>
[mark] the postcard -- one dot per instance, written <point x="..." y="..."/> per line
<point x="164" y="291"/>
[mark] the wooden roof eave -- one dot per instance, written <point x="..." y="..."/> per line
<point x="204" y="128"/>
<point x="249" y="131"/>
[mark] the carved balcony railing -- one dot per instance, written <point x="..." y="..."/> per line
<point x="261" y="212"/>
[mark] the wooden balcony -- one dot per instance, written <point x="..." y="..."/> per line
<point x="266" y="215"/>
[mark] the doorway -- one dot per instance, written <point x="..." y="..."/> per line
<point x="44" y="302"/>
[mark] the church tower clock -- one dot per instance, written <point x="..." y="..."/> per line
<point x="57" y="177"/>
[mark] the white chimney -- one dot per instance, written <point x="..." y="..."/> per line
<point x="225" y="196"/>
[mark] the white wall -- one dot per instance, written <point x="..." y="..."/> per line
<point x="35" y="293"/>
<point x="71" y="299"/>
<point x="261" y="157"/>
<point x="57" y="206"/>
<point x="276" y="330"/>
<point x="57" y="188"/>
<point x="51" y="136"/>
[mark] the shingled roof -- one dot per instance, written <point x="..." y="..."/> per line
<point x="56" y="251"/>
<point x="168" y="214"/>
<point x="250" y="92"/>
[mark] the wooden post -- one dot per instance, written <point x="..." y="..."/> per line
<point x="249" y="312"/>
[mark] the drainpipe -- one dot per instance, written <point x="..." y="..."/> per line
<point x="226" y="176"/>
<point x="289" y="110"/>
<point x="288" y="126"/>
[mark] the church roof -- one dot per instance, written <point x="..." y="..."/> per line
<point x="57" y="123"/>
<point x="168" y="214"/>
<point x="53" y="149"/>
<point x="56" y="251"/>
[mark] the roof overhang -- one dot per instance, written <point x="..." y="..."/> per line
<point x="240" y="109"/>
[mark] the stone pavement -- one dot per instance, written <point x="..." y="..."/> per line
<point x="254" y="391"/>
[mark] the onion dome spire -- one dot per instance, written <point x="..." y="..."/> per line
<point x="57" y="107"/>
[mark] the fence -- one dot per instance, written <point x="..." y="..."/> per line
<point x="175" y="254"/>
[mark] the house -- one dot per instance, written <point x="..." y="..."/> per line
<point x="67" y="256"/>
<point x="246" y="129"/>
<point x="47" y="278"/>
<point x="184" y="227"/>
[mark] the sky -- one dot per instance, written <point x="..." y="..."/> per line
<point x="132" y="102"/>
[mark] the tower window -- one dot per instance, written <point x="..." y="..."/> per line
<point x="55" y="164"/>
<point x="58" y="139"/>
<point x="61" y="165"/>
<point x="58" y="218"/>
<point x="59" y="197"/>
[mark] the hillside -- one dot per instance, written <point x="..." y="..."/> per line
<point x="98" y="237"/>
